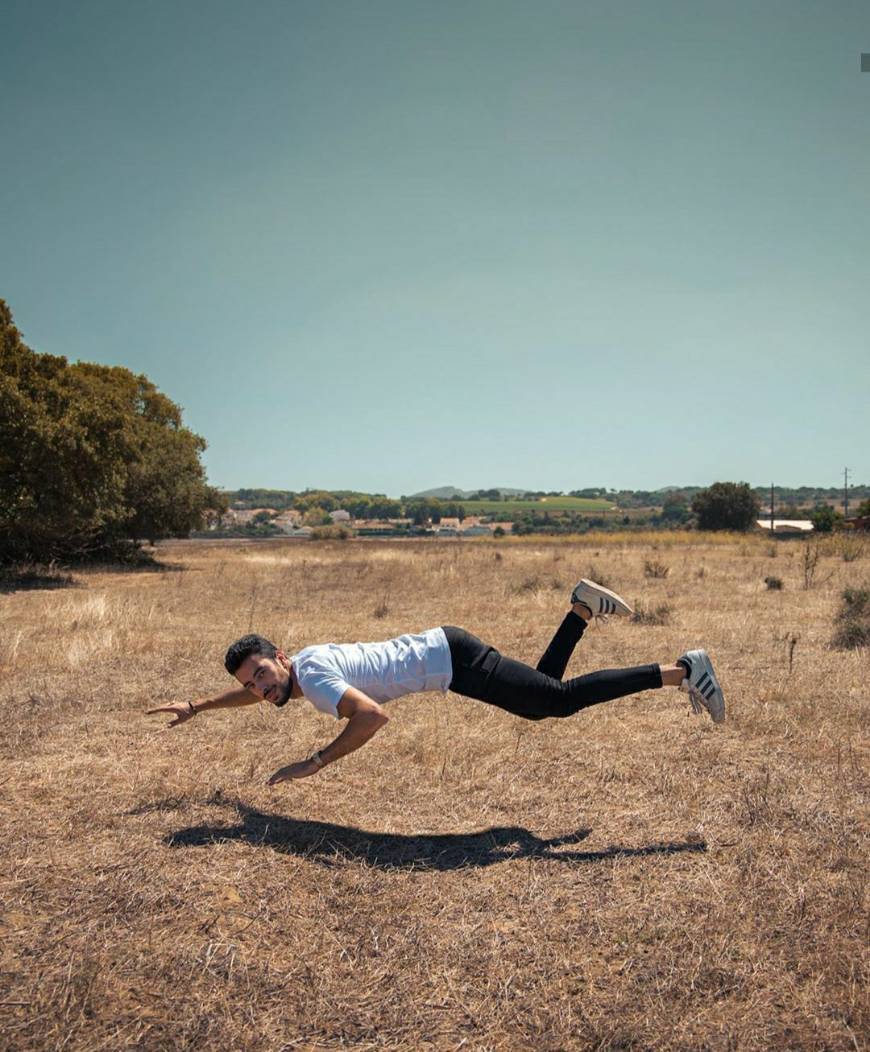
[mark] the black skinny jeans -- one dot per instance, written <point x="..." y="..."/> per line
<point x="480" y="671"/>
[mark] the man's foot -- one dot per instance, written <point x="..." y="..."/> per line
<point x="599" y="600"/>
<point x="701" y="684"/>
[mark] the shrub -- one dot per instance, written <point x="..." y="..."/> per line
<point x="823" y="518"/>
<point x="852" y="626"/>
<point x="594" y="574"/>
<point x="661" y="615"/>
<point x="851" y="635"/>
<point x="331" y="533"/>
<point x="774" y="584"/>
<point x="851" y="548"/>
<point x="535" y="583"/>
<point x="653" y="568"/>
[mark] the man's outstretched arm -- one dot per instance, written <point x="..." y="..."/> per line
<point x="364" y="719"/>
<point x="186" y="710"/>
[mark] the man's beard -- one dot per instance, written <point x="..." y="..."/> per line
<point x="285" y="693"/>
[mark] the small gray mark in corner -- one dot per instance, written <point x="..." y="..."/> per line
<point x="865" y="61"/>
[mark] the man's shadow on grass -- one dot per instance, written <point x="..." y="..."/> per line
<point x="327" y="843"/>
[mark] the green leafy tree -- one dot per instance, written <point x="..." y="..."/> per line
<point x="279" y="499"/>
<point x="675" y="508"/>
<point x="590" y="493"/>
<point x="91" y="457"/>
<point x="165" y="488"/>
<point x="316" y="516"/>
<point x="453" y="510"/>
<point x="726" y="506"/>
<point x="424" y="511"/>
<point x="319" y="499"/>
<point x="824" y="518"/>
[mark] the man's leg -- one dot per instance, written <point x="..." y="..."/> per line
<point x="481" y="672"/>
<point x="588" y="600"/>
<point x="526" y="692"/>
<point x="555" y="658"/>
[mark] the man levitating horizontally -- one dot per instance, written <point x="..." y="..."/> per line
<point x="351" y="681"/>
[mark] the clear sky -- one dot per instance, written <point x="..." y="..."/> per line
<point x="394" y="244"/>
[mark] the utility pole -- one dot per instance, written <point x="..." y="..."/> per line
<point x="772" y="530"/>
<point x="845" y="493"/>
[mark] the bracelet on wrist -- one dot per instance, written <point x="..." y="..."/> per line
<point x="318" y="759"/>
<point x="192" y="708"/>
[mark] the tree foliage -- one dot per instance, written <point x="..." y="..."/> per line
<point x="675" y="509"/>
<point x="824" y="518"/>
<point x="726" y="506"/>
<point x="91" y="457"/>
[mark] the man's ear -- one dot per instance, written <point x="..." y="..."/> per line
<point x="283" y="659"/>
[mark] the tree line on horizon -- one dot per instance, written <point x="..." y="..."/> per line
<point x="723" y="505"/>
<point x="787" y="498"/>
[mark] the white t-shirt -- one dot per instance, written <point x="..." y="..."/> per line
<point x="382" y="670"/>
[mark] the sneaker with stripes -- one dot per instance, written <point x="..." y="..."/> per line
<point x="599" y="600"/>
<point x="701" y="684"/>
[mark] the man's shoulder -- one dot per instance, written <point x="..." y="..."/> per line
<point x="317" y="658"/>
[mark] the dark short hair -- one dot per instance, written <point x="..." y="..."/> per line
<point x="243" y="648"/>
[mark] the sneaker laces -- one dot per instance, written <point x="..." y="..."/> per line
<point x="695" y="696"/>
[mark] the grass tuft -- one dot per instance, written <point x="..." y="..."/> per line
<point x="852" y="629"/>
<point x="658" y="615"/>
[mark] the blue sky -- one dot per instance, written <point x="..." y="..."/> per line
<point x="392" y="245"/>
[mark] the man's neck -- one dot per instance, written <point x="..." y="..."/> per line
<point x="295" y="689"/>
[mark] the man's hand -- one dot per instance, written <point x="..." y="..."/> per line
<point x="181" y="710"/>
<point x="294" y="770"/>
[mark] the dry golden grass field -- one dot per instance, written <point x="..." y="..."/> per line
<point x="631" y="878"/>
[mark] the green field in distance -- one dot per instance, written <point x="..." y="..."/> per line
<point x="542" y="504"/>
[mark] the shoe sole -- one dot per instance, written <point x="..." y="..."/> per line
<point x="716" y="698"/>
<point x="620" y="606"/>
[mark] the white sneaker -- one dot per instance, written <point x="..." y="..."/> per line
<point x="599" y="599"/>
<point x="701" y="684"/>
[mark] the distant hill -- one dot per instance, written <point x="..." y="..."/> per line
<point x="451" y="492"/>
